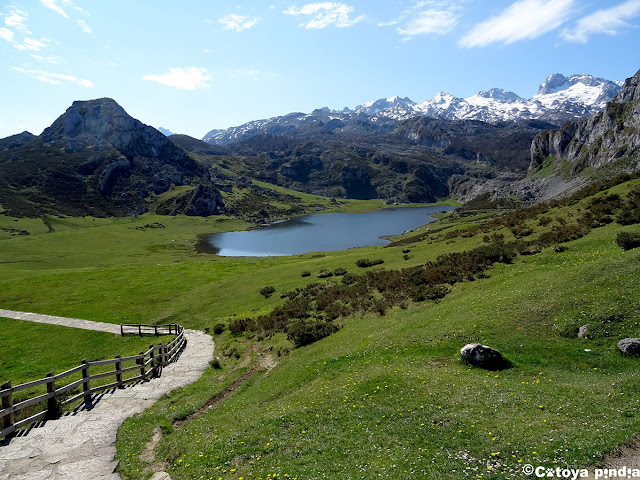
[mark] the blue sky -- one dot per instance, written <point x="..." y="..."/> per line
<point x="195" y="65"/>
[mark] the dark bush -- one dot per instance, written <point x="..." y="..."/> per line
<point x="242" y="325"/>
<point x="365" y="262"/>
<point x="629" y="217"/>
<point x="338" y="272"/>
<point x="543" y="221"/>
<point x="349" y="278"/>
<point x="305" y="274"/>
<point x="302" y="333"/>
<point x="218" y="328"/>
<point x="215" y="363"/>
<point x="521" y="230"/>
<point x="267" y="291"/>
<point x="324" y="274"/>
<point x="628" y="240"/>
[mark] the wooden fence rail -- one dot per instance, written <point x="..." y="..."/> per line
<point x="146" y="364"/>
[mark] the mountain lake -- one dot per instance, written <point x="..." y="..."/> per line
<point x="319" y="232"/>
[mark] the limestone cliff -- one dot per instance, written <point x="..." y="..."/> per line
<point x="603" y="145"/>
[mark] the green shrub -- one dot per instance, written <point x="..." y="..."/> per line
<point x="324" y="274"/>
<point x="267" y="291"/>
<point x="302" y="332"/>
<point x="628" y="240"/>
<point x="305" y="274"/>
<point x="338" y="272"/>
<point x="365" y="262"/>
<point x="242" y="325"/>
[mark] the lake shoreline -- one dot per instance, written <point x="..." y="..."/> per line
<point x="330" y="231"/>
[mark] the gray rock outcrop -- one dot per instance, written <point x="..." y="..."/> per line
<point x="602" y="140"/>
<point x="202" y="201"/>
<point x="478" y="355"/>
<point x="629" y="346"/>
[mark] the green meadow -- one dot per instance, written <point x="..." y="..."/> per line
<point x="386" y="396"/>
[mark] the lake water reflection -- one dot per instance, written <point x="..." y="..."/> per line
<point x="320" y="232"/>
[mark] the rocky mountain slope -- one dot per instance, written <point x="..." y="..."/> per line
<point x="603" y="145"/>
<point x="94" y="159"/>
<point x="558" y="99"/>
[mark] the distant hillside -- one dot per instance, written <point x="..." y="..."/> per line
<point x="194" y="145"/>
<point x="601" y="146"/>
<point x="94" y="159"/>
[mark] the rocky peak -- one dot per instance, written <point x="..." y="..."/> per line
<point x="15" y="141"/>
<point x="607" y="137"/>
<point x="501" y="95"/>
<point x="552" y="84"/>
<point x="630" y="90"/>
<point x="103" y="124"/>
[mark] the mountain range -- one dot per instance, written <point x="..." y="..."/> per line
<point x="97" y="160"/>
<point x="559" y="99"/>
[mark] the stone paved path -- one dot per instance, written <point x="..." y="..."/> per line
<point x="81" y="445"/>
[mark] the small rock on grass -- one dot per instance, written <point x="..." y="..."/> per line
<point x="161" y="476"/>
<point x="630" y="346"/>
<point x="478" y="355"/>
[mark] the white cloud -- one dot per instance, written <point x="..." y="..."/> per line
<point x="607" y="21"/>
<point x="6" y="34"/>
<point x="83" y="25"/>
<point x="17" y="19"/>
<point x="58" y="6"/>
<point x="238" y="23"/>
<point x="53" y="78"/>
<point x="429" y="21"/>
<point x="427" y="17"/>
<point x="325" y="14"/>
<point x="190" y="78"/>
<point x="32" y="44"/>
<point x="524" y="19"/>
<point x="52" y="60"/>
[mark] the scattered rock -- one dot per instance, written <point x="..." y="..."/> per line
<point x="161" y="476"/>
<point x="583" y="331"/>
<point x="482" y="356"/>
<point x="630" y="346"/>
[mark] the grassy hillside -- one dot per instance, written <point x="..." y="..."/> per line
<point x="31" y="350"/>
<point x="387" y="394"/>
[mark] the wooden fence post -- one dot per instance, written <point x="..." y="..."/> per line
<point x="161" y="353"/>
<point x="7" y="402"/>
<point x="52" y="408"/>
<point x="154" y="367"/>
<point x="121" y="330"/>
<point x="155" y="327"/>
<point x="118" y="372"/>
<point x="85" y="380"/>
<point x="140" y="329"/>
<point x="141" y="363"/>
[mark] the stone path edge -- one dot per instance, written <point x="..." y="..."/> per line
<point x="81" y="445"/>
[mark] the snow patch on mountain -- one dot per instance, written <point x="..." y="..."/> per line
<point x="559" y="98"/>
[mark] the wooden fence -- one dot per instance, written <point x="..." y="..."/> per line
<point x="146" y="364"/>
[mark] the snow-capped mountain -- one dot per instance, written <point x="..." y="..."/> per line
<point x="558" y="97"/>
<point x="394" y="106"/>
<point x="558" y="100"/>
